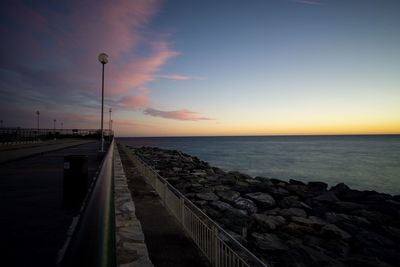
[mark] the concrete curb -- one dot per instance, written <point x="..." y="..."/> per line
<point x="130" y="243"/>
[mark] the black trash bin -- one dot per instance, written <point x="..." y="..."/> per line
<point x="76" y="179"/>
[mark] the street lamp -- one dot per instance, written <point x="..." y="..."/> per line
<point x="54" y="125"/>
<point x="38" y="114"/>
<point x="103" y="58"/>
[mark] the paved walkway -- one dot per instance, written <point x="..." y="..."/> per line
<point x="10" y="153"/>
<point x="33" y="219"/>
<point x="131" y="246"/>
<point x="166" y="242"/>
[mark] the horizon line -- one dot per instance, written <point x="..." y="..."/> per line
<point x="261" y="135"/>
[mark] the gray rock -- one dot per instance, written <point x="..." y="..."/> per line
<point x="339" y="188"/>
<point x="297" y="229"/>
<point x="236" y="220"/>
<point x="328" y="197"/>
<point x="391" y="256"/>
<point x="371" y="239"/>
<point x="245" y="204"/>
<point x="312" y="222"/>
<point x="337" y="248"/>
<point x="221" y="188"/>
<point x="338" y="217"/>
<point x="293" y="212"/>
<point x="296" y="182"/>
<point x="207" y="196"/>
<point x="269" y="222"/>
<point x="277" y="191"/>
<point x="274" y="211"/>
<point x="309" y="257"/>
<point x="332" y="231"/>
<point x="228" y="196"/>
<point x="347" y="206"/>
<point x="220" y="205"/>
<point x="264" y="200"/>
<point x="365" y="261"/>
<point x="293" y="202"/>
<point x="269" y="242"/>
<point x="319" y="187"/>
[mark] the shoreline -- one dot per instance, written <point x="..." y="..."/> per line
<point x="288" y="223"/>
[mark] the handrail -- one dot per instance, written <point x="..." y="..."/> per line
<point x="93" y="240"/>
<point x="219" y="247"/>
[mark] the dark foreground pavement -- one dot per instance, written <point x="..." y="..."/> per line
<point x="33" y="219"/>
<point x="166" y="242"/>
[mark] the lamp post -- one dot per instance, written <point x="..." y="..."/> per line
<point x="103" y="58"/>
<point x="54" y="121"/>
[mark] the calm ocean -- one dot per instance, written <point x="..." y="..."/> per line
<point x="362" y="162"/>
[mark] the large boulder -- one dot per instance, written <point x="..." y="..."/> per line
<point x="236" y="220"/>
<point x="245" y="204"/>
<point x="269" y="242"/>
<point x="367" y="238"/>
<point x="328" y="197"/>
<point x="332" y="231"/>
<point x="269" y="222"/>
<point x="228" y="196"/>
<point x="293" y="202"/>
<point x="317" y="187"/>
<point x="298" y="230"/>
<point x="339" y="188"/>
<point x="302" y="255"/>
<point x="287" y="213"/>
<point x="307" y="221"/>
<point x="220" y="205"/>
<point x="262" y="200"/>
<point x="209" y="196"/>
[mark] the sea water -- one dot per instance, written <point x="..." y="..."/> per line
<point x="362" y="162"/>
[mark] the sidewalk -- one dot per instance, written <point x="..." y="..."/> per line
<point x="28" y="150"/>
<point x="166" y="242"/>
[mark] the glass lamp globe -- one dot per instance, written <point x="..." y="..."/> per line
<point x="103" y="58"/>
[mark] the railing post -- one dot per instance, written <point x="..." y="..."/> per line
<point x="215" y="238"/>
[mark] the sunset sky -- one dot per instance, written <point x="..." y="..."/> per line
<point x="203" y="67"/>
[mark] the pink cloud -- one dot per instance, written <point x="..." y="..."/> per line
<point x="140" y="71"/>
<point x="176" y="77"/>
<point x="182" y="114"/>
<point x="135" y="102"/>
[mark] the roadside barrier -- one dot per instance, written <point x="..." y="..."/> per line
<point x="219" y="247"/>
<point x="91" y="240"/>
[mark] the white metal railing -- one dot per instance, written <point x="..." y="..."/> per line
<point x="220" y="248"/>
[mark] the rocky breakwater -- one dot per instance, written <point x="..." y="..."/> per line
<point x="289" y="223"/>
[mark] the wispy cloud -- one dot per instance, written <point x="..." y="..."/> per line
<point x="182" y="114"/>
<point x="308" y="2"/>
<point x="179" y="77"/>
<point x="134" y="102"/>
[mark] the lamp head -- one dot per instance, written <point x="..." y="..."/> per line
<point x="103" y="58"/>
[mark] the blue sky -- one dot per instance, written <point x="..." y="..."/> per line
<point x="206" y="67"/>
